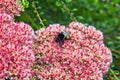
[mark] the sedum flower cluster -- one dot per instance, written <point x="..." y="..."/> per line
<point x="82" y="57"/>
<point x="16" y="53"/>
<point x="43" y="55"/>
<point x="10" y="7"/>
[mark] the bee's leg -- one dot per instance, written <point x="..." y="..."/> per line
<point x="61" y="42"/>
<point x="56" y="40"/>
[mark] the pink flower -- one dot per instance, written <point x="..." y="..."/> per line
<point x="84" y="56"/>
<point x="17" y="33"/>
<point x="10" y="7"/>
<point x="16" y="53"/>
<point x="94" y="40"/>
<point x="14" y="59"/>
<point x="5" y="18"/>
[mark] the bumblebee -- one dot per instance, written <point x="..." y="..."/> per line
<point x="61" y="37"/>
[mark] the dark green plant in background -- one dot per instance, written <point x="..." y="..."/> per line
<point x="103" y="14"/>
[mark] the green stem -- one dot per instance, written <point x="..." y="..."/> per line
<point x="38" y="15"/>
<point x="68" y="11"/>
<point x="23" y="2"/>
<point x="116" y="78"/>
<point x="31" y="20"/>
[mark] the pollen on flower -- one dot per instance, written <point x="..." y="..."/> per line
<point x="5" y="18"/>
<point x="84" y="56"/>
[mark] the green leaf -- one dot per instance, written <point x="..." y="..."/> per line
<point x="74" y="9"/>
<point x="44" y="20"/>
<point x="42" y="13"/>
<point x="63" y="9"/>
<point x="116" y="1"/>
<point x="58" y="3"/>
<point x="68" y="1"/>
<point x="24" y="3"/>
<point x="80" y="17"/>
<point x="39" y="7"/>
<point x="118" y="37"/>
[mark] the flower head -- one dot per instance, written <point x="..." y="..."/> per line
<point x="83" y="56"/>
<point x="11" y="7"/>
<point x="14" y="59"/>
<point x="17" y="33"/>
<point x="5" y="18"/>
<point x="16" y="53"/>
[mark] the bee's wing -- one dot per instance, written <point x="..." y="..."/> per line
<point x="67" y="35"/>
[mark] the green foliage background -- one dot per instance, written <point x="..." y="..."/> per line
<point x="103" y="14"/>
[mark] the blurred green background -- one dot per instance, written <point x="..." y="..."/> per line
<point x="103" y="14"/>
